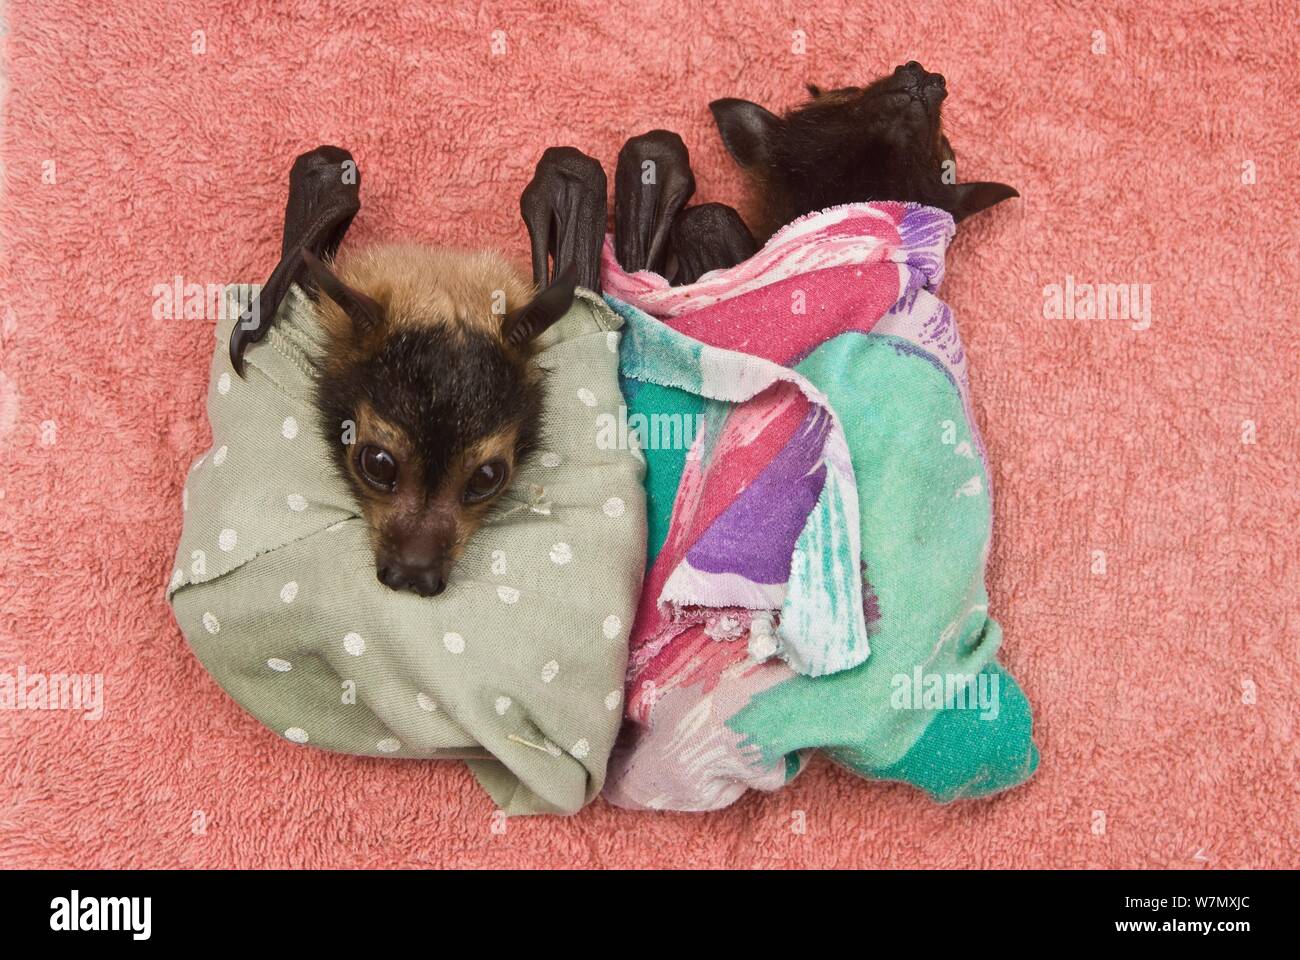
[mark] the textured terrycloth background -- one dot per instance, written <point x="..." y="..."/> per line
<point x="1103" y="438"/>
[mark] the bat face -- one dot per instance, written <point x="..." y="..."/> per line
<point x="892" y="129"/>
<point x="428" y="396"/>
<point x="884" y="141"/>
<point x="441" y="421"/>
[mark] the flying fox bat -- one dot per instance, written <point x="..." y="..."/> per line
<point x="428" y="355"/>
<point x="884" y="141"/>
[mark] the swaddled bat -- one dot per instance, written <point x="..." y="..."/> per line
<point x="884" y="141"/>
<point x="426" y="390"/>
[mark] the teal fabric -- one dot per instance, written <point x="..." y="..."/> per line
<point x="664" y="465"/>
<point x="961" y="755"/>
<point x="922" y="549"/>
<point x="925" y="528"/>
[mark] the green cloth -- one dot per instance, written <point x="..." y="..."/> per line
<point x="911" y="446"/>
<point x="905" y="424"/>
<point x="517" y="667"/>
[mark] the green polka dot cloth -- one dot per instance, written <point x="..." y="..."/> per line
<point x="517" y="668"/>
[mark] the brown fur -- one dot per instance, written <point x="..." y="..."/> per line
<point x="418" y="286"/>
<point x="429" y="377"/>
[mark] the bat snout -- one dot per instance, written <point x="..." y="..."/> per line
<point x="418" y="559"/>
<point x="426" y="581"/>
<point x="913" y="75"/>
<point x="925" y="88"/>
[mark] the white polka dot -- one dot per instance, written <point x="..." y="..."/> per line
<point x="587" y="397"/>
<point x="561" y="553"/>
<point x="278" y="665"/>
<point x="508" y="594"/>
<point x="580" y="749"/>
<point x="223" y="384"/>
<point x="550" y="671"/>
<point x="296" y="734"/>
<point x="211" y="623"/>
<point x="611" y="700"/>
<point x="227" y="540"/>
<point x="614" y="507"/>
<point x="611" y="341"/>
<point x="289" y="591"/>
<point x="499" y="565"/>
<point x="389" y="745"/>
<point x="454" y="642"/>
<point x="219" y="457"/>
<point x="611" y="627"/>
<point x="502" y="705"/>
<point x="354" y="645"/>
<point x="297" y="502"/>
<point x="178" y="577"/>
<point x="550" y="459"/>
<point x="425" y="702"/>
<point x="289" y="429"/>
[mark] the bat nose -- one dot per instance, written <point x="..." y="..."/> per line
<point x="427" y="581"/>
<point x="416" y="556"/>
<point x="915" y="77"/>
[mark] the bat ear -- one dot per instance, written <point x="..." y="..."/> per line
<point x="966" y="199"/>
<point x="366" y="314"/>
<point x="746" y="129"/>
<point x="814" y="91"/>
<point x="525" y="324"/>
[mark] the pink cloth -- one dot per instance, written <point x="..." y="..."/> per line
<point x="1164" y="687"/>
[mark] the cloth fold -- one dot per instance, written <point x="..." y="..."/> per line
<point x="517" y="667"/>
<point x="723" y="698"/>
<point x="771" y="524"/>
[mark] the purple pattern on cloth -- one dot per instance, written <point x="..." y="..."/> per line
<point x="756" y="535"/>
<point x="710" y="713"/>
<point x="925" y="232"/>
<point x="732" y="543"/>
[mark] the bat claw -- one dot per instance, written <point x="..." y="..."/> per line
<point x="240" y="338"/>
<point x="324" y="196"/>
<point x="709" y="237"/>
<point x="652" y="183"/>
<point x="565" y="208"/>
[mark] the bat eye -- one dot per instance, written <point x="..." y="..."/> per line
<point x="485" y="481"/>
<point x="378" y="467"/>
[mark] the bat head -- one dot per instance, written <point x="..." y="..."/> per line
<point x="428" y="396"/>
<point x="880" y="142"/>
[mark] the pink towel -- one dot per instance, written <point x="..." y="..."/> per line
<point x="1144" y="552"/>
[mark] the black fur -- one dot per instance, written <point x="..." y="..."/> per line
<point x="708" y="237"/>
<point x="847" y="145"/>
<point x="444" y="389"/>
<point x="853" y="144"/>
